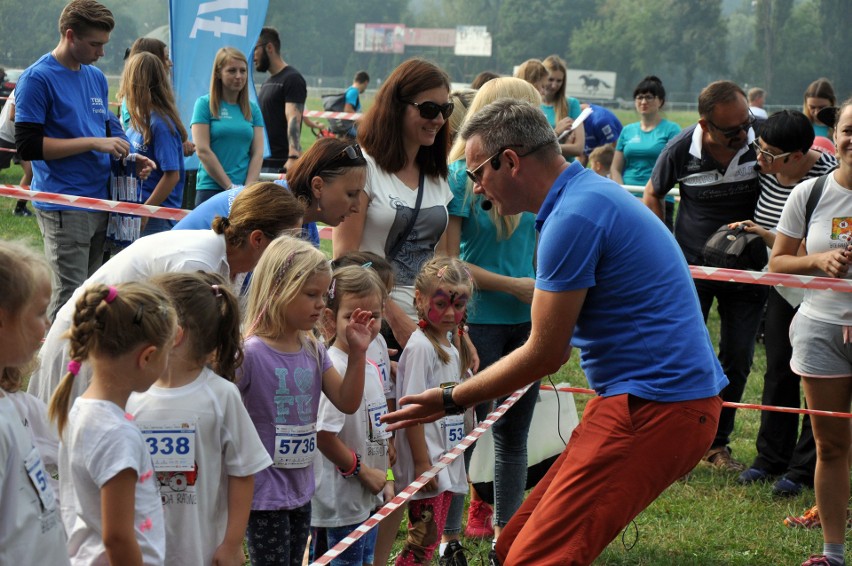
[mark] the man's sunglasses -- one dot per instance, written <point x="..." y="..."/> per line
<point x="473" y="174"/>
<point x="430" y="110"/>
<point x="731" y="133"/>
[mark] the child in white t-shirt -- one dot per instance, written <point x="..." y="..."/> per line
<point x="109" y="500"/>
<point x="442" y="290"/>
<point x="352" y="476"/>
<point x="30" y="526"/>
<point x="204" y="445"/>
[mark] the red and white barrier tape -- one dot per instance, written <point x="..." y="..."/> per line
<point x="333" y="115"/>
<point x="730" y="404"/>
<point x="766" y="278"/>
<point x="418" y="484"/>
<point x="94" y="203"/>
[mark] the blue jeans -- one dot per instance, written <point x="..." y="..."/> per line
<point x="157" y="225"/>
<point x="740" y="307"/>
<point x="361" y="551"/>
<point x="493" y="341"/>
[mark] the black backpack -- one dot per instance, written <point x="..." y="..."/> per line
<point x="336" y="103"/>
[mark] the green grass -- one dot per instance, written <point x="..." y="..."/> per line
<point x="707" y="519"/>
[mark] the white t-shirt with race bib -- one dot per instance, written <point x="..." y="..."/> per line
<point x="420" y="369"/>
<point x="197" y="435"/>
<point x="340" y="501"/>
<point x="830" y="228"/>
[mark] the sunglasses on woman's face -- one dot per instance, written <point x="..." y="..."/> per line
<point x="430" y="110"/>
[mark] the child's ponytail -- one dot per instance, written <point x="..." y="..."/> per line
<point x="110" y="321"/>
<point x="209" y="312"/>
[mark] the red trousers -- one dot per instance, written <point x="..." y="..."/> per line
<point x="622" y="455"/>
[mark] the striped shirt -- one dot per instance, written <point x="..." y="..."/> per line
<point x="773" y="194"/>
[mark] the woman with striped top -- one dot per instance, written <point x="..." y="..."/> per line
<point x="785" y="159"/>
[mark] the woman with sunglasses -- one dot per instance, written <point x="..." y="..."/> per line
<point x="227" y="128"/>
<point x="641" y="143"/>
<point x="327" y="179"/>
<point x="403" y="209"/>
<point x="820" y="332"/>
<point x="785" y="159"/>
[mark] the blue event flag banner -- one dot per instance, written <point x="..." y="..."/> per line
<point x="198" y="29"/>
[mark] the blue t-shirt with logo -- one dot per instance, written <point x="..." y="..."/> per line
<point x="640" y="330"/>
<point x="231" y="136"/>
<point x="353" y="97"/>
<point x="166" y="149"/>
<point x="69" y="104"/>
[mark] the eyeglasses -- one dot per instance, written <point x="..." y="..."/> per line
<point x="473" y="174"/>
<point x="430" y="110"/>
<point x="644" y="97"/>
<point x="769" y="158"/>
<point x="731" y="133"/>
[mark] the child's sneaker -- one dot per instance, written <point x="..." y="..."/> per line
<point x="479" y="520"/>
<point x="822" y="560"/>
<point x="453" y="555"/>
<point x="808" y="520"/>
<point x="493" y="560"/>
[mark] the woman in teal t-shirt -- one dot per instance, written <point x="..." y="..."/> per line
<point x="227" y="128"/>
<point x="561" y="110"/>
<point x="641" y="143"/>
<point x="819" y="95"/>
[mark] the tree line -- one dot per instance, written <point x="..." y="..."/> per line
<point x="779" y="45"/>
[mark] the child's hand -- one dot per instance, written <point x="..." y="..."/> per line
<point x="358" y="331"/>
<point x="388" y="492"/>
<point x="229" y="555"/>
<point x="420" y="469"/>
<point x="391" y="452"/>
<point x="373" y="479"/>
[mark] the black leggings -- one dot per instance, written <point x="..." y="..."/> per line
<point x="278" y="538"/>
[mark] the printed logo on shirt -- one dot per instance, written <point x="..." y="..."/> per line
<point x="295" y="394"/>
<point x="841" y="231"/>
<point x="97" y="105"/>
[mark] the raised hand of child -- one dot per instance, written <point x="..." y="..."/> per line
<point x="359" y="330"/>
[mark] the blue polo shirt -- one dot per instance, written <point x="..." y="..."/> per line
<point x="640" y="330"/>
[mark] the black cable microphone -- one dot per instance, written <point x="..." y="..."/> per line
<point x="757" y="166"/>
<point x="485" y="204"/>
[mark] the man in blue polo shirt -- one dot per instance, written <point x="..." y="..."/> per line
<point x="62" y="126"/>
<point x="715" y="167"/>
<point x="611" y="281"/>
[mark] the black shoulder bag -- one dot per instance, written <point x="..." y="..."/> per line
<point x="405" y="233"/>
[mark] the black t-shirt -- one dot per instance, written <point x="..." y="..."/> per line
<point x="710" y="195"/>
<point x="287" y="86"/>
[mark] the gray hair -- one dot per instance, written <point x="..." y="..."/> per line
<point x="507" y="123"/>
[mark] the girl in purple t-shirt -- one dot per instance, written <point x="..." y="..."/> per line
<point x="283" y="373"/>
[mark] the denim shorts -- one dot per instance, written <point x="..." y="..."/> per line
<point x="819" y="349"/>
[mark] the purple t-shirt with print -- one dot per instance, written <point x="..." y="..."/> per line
<point x="281" y="388"/>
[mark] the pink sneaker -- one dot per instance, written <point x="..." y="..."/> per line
<point x="479" y="520"/>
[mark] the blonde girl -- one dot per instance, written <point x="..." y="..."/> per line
<point x="30" y="526"/>
<point x="346" y="498"/>
<point x="442" y="291"/>
<point x="284" y="372"/>
<point x="110" y="505"/>
<point x="227" y="128"/>
<point x="204" y="446"/>
<point x="562" y="110"/>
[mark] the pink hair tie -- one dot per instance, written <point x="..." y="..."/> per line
<point x="74" y="367"/>
<point x="111" y="295"/>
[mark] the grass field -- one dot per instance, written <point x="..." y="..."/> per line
<point x="707" y="519"/>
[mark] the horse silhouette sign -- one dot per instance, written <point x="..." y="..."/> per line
<point x="584" y="84"/>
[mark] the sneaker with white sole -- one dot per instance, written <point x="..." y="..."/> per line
<point x="453" y="555"/>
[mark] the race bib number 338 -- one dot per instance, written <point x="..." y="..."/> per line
<point x="170" y="444"/>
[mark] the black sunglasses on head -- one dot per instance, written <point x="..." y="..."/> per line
<point x="349" y="153"/>
<point x="430" y="110"/>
